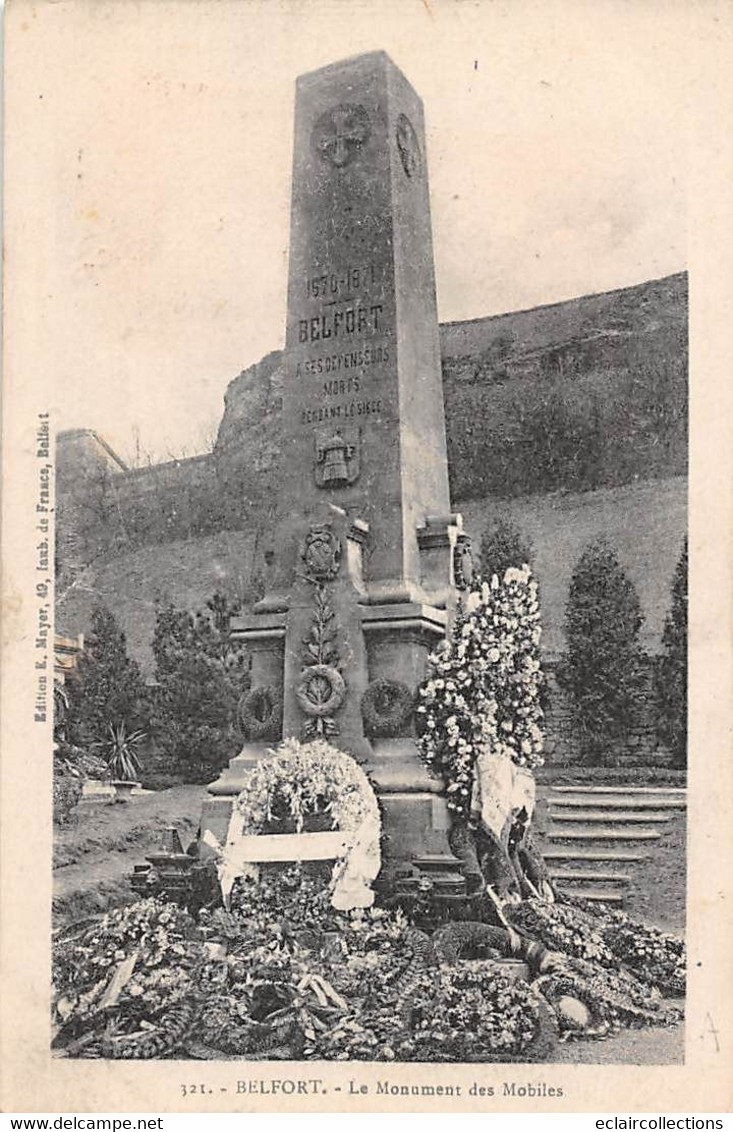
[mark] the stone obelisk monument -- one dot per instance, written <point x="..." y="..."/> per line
<point x="365" y="556"/>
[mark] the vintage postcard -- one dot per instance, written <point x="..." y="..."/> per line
<point x="366" y="557"/>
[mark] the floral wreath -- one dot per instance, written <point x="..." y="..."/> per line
<point x="304" y="775"/>
<point x="386" y="707"/>
<point x="260" y="712"/>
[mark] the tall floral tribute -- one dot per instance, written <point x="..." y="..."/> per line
<point x="483" y="684"/>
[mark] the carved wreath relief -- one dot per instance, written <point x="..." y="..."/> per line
<point x="337" y="457"/>
<point x="321" y="689"/>
<point x="340" y="133"/>
<point x="463" y="563"/>
<point x="408" y="146"/>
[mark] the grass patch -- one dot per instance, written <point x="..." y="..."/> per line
<point x="573" y="775"/>
<point x="658" y="894"/>
<point x="94" y="856"/>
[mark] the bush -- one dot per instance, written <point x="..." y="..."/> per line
<point x="107" y="689"/>
<point x="71" y="764"/>
<point x="503" y="547"/>
<point x="67" y="791"/>
<point x="671" y="675"/>
<point x="604" y="667"/>
<point x="199" y="681"/>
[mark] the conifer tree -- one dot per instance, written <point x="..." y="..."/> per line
<point x="199" y="679"/>
<point x="603" y="668"/>
<point x="671" y="676"/>
<point x="502" y="547"/>
<point x="107" y="687"/>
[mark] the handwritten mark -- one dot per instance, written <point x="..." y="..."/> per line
<point x="712" y="1031"/>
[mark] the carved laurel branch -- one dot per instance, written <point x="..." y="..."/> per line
<point x="322" y="688"/>
<point x="320" y="644"/>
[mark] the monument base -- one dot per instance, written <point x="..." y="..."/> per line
<point x="231" y="780"/>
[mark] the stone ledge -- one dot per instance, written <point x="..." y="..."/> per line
<point x="410" y="615"/>
<point x="258" y="626"/>
<point x="396" y="768"/>
<point x="229" y="783"/>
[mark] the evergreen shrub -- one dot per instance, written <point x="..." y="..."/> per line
<point x="199" y="679"/>
<point x="604" y="669"/>
<point x="107" y="688"/>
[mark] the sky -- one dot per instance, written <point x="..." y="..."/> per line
<point x="153" y="176"/>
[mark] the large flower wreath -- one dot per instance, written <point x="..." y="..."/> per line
<point x="310" y="778"/>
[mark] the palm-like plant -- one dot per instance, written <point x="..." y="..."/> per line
<point x="120" y="751"/>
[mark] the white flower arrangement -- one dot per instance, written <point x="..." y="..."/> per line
<point x="310" y="778"/>
<point x="306" y="774"/>
<point x="493" y="661"/>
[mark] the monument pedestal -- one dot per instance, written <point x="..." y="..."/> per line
<point x="370" y="642"/>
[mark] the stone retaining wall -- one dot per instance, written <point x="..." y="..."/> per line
<point x="561" y="734"/>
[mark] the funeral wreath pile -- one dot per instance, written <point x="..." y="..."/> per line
<point x="301" y="962"/>
<point x="283" y="974"/>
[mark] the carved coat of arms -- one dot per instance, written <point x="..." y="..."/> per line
<point x="337" y="457"/>
<point x="321" y="553"/>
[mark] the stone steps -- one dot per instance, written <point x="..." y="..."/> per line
<point x="603" y="833"/>
<point x="591" y="875"/>
<point x="580" y="855"/>
<point x="598" y="833"/>
<point x="619" y="817"/>
<point x="600" y="895"/>
<point x="612" y="802"/>
<point x="648" y="759"/>
<point x="671" y="791"/>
